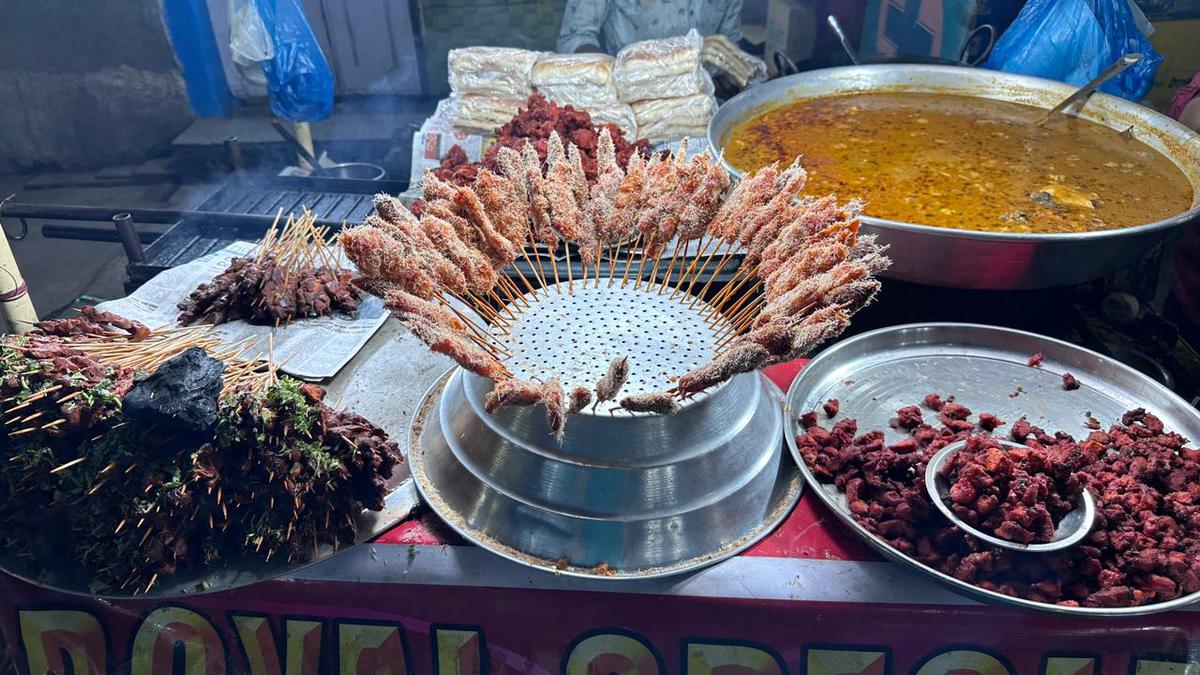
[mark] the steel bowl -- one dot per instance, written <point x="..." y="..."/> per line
<point x="990" y="260"/>
<point x="624" y="496"/>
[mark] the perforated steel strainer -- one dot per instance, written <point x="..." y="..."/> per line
<point x="573" y="334"/>
<point x="624" y="495"/>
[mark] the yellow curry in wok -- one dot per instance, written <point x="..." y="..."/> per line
<point x="958" y="161"/>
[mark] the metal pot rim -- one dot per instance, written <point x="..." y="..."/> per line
<point x="1165" y="122"/>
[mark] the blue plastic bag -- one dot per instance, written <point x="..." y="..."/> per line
<point x="1073" y="40"/>
<point x="299" y="80"/>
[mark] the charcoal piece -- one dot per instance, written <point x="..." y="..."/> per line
<point x="182" y="394"/>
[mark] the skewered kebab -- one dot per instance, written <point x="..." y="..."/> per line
<point x="289" y="276"/>
<point x="277" y="472"/>
<point x="806" y="270"/>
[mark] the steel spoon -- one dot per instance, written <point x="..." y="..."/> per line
<point x="1071" y="529"/>
<point x="1086" y="90"/>
<point x="841" y="36"/>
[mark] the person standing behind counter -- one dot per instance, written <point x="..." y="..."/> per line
<point x="590" y="24"/>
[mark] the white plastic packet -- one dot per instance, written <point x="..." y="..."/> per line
<point x="249" y="42"/>
<point x="666" y="68"/>
<point x="485" y="112"/>
<point x="722" y="56"/>
<point x="500" y="71"/>
<point x="580" y="80"/>
<point x="581" y="96"/>
<point x="669" y="119"/>
<point x="619" y="114"/>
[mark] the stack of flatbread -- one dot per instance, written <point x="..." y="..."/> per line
<point x="584" y="81"/>
<point x="667" y="86"/>
<point x="670" y="119"/>
<point x="490" y="83"/>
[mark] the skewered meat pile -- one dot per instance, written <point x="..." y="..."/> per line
<point x="277" y="473"/>
<point x="806" y="270"/>
<point x="290" y="276"/>
<point x="533" y="125"/>
<point x="1145" y="546"/>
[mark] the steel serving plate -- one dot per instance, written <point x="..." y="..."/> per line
<point x="646" y="495"/>
<point x="990" y="260"/>
<point x="392" y="354"/>
<point x="984" y="368"/>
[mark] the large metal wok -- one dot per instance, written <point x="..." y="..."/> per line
<point x="991" y="260"/>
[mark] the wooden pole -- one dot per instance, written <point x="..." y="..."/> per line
<point x="17" y="314"/>
<point x="304" y="135"/>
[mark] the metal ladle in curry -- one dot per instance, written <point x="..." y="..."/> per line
<point x="1061" y="195"/>
<point x="1086" y="90"/>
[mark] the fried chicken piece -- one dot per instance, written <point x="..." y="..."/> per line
<point x="658" y="402"/>
<point x="579" y="398"/>
<point x="380" y="256"/>
<point x="513" y="392"/>
<point x="627" y="203"/>
<point x="654" y="222"/>
<point x="511" y="166"/>
<point x="556" y="417"/>
<point x="750" y="193"/>
<point x="434" y="189"/>
<point x="558" y="185"/>
<point x="588" y="237"/>
<point x="817" y="258"/>
<point x="402" y="301"/>
<point x="444" y="341"/>
<point x="741" y="358"/>
<point x="393" y="210"/>
<point x="431" y="258"/>
<point x="811" y="294"/>
<point x="539" y="203"/>
<point x="761" y="226"/>
<point x="480" y="275"/>
<point x="815" y="219"/>
<point x="505" y="202"/>
<point x="704" y="202"/>
<point x="606" y="155"/>
<point x="609" y="385"/>
<point x="499" y="250"/>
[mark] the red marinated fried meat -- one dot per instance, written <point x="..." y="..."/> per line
<point x="831" y="407"/>
<point x="534" y="124"/>
<point x="1015" y="494"/>
<point x="1146" y="481"/>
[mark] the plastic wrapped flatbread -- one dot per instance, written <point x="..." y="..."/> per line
<point x="578" y="69"/>
<point x="666" y="68"/>
<point x="585" y="96"/>
<point x="581" y="80"/>
<point x="721" y="56"/>
<point x="669" y="119"/>
<point x="619" y="114"/>
<point x="484" y="112"/>
<point x="499" y="71"/>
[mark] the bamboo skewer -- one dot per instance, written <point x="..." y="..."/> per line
<point x="720" y="266"/>
<point x="671" y="267"/>
<point x="691" y="274"/>
<point x="570" y="274"/>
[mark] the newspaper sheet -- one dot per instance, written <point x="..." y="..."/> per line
<point x="310" y="349"/>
